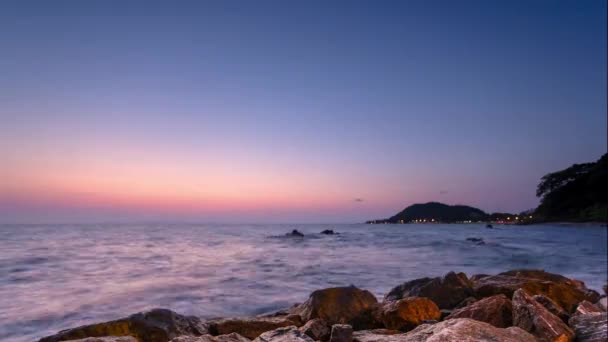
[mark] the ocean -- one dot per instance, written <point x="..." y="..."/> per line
<point x="54" y="277"/>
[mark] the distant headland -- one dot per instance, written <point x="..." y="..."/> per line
<point x="574" y="194"/>
<point x="435" y="212"/>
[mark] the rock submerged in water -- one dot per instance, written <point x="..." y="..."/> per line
<point x="328" y="232"/>
<point x="295" y="233"/>
<point x="157" y="325"/>
<point x="447" y="291"/>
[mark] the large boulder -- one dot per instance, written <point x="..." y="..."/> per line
<point x="285" y="334"/>
<point x="374" y="334"/>
<point x="157" y="325"/>
<point x="553" y="307"/>
<point x="106" y="339"/>
<point x="531" y="316"/>
<point x="234" y="337"/>
<point x="407" y="313"/>
<point x="337" y="305"/>
<point x="251" y="327"/>
<point x="447" y="291"/>
<point x="564" y="291"/>
<point x="317" y="329"/>
<point x="592" y="327"/>
<point x="496" y="310"/>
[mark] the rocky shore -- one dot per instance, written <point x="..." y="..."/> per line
<point x="519" y="305"/>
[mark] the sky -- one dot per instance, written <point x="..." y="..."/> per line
<point x="297" y="111"/>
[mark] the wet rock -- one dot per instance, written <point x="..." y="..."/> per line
<point x="251" y="327"/>
<point x="553" y="307"/>
<point x="341" y="333"/>
<point x="585" y="307"/>
<point x="285" y="334"/>
<point x="462" y="330"/>
<point x="531" y="316"/>
<point x="565" y="292"/>
<point x="447" y="291"/>
<point x="603" y="303"/>
<point x="328" y="232"/>
<point x="234" y="337"/>
<point x="317" y="329"/>
<point x="477" y="241"/>
<point x="337" y="305"/>
<point x="495" y="310"/>
<point x="106" y="339"/>
<point x="592" y="327"/>
<point x="407" y="313"/>
<point x="157" y="325"/>
<point x="295" y="233"/>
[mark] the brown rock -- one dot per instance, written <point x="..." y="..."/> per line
<point x="106" y="339"/>
<point x="157" y="325"/>
<point x="234" y="337"/>
<point x="251" y="327"/>
<point x="317" y="329"/>
<point x="565" y="292"/>
<point x="407" y="313"/>
<point x="531" y="316"/>
<point x="592" y="327"/>
<point x="553" y="307"/>
<point x="462" y="330"/>
<point x="447" y="291"/>
<point x="585" y="307"/>
<point x="466" y="302"/>
<point x="285" y="334"/>
<point x="341" y="333"/>
<point x="338" y="305"/>
<point x="495" y="310"/>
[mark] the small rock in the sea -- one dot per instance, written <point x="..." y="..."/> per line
<point x="592" y="327"/>
<point x="495" y="310"/>
<point x="317" y="329"/>
<point x="341" y="333"/>
<point x="251" y="327"/>
<point x="564" y="291"/>
<point x="407" y="313"/>
<point x="295" y="233"/>
<point x="585" y="307"/>
<point x="285" y="334"/>
<point x="337" y="305"/>
<point x="447" y="291"/>
<point x="328" y="232"/>
<point x="531" y="316"/>
<point x="157" y="325"/>
<point x="478" y="241"/>
<point x="553" y="307"/>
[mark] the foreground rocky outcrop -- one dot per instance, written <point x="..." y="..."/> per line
<point x="158" y="325"/>
<point x="520" y="305"/>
